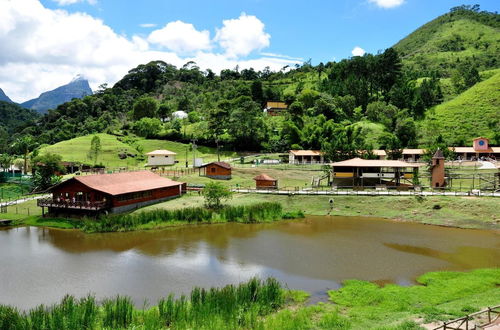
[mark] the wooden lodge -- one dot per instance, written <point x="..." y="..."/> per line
<point x="305" y="157"/>
<point x="216" y="170"/>
<point x="275" y="108"/>
<point x="112" y="193"/>
<point x="264" y="181"/>
<point x="359" y="172"/>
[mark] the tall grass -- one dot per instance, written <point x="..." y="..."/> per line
<point x="229" y="307"/>
<point x="261" y="212"/>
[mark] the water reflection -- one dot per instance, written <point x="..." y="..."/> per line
<point x="314" y="254"/>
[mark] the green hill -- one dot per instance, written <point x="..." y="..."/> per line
<point x="76" y="150"/>
<point x="463" y="34"/>
<point x="475" y="112"/>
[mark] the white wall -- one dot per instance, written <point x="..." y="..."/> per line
<point x="158" y="160"/>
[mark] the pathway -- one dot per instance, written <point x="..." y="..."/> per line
<point x="487" y="166"/>
<point x="367" y="193"/>
<point x="22" y="200"/>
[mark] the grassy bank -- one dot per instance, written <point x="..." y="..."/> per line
<point x="464" y="212"/>
<point x="264" y="305"/>
<point x="158" y="218"/>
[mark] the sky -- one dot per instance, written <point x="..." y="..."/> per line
<point x="46" y="43"/>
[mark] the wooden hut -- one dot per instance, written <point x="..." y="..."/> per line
<point x="264" y="181"/>
<point x="216" y="170"/>
<point x="113" y="193"/>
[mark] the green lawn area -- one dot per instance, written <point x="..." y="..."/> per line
<point x="9" y="191"/>
<point x="206" y="153"/>
<point x="243" y="177"/>
<point x="76" y="150"/>
<point x="358" y="304"/>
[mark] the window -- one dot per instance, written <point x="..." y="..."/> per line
<point x="212" y="169"/>
<point x="166" y="156"/>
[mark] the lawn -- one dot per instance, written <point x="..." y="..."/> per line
<point x="9" y="191"/>
<point x="77" y="149"/>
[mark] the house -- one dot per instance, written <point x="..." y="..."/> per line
<point x="413" y="155"/>
<point x="480" y="148"/>
<point x="161" y="158"/>
<point x="264" y="181"/>
<point x="109" y="193"/>
<point x="275" y="108"/>
<point x="305" y="157"/>
<point x="357" y="172"/>
<point x="216" y="170"/>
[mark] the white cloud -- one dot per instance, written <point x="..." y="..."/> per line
<point x="358" y="51"/>
<point x="387" y="3"/>
<point x="148" y="25"/>
<point x="181" y="37"/>
<point x="71" y="2"/>
<point x="42" y="49"/>
<point x="241" y="36"/>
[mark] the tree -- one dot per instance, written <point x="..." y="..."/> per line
<point x="164" y="111"/>
<point x="5" y="161"/>
<point x="95" y="148"/>
<point x="24" y="145"/>
<point x="215" y="193"/>
<point x="148" y="127"/>
<point x="145" y="106"/>
<point x="48" y="169"/>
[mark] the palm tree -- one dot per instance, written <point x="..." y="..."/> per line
<point x="24" y="145"/>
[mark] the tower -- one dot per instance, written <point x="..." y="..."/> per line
<point x="437" y="170"/>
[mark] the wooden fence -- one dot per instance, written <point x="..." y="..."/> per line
<point x="478" y="320"/>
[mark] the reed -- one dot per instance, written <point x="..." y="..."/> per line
<point x="262" y="212"/>
<point x="229" y="307"/>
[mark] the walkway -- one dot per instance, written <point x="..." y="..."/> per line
<point x="487" y="166"/>
<point x="22" y="200"/>
<point x="367" y="193"/>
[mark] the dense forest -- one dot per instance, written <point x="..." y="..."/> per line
<point x="360" y="103"/>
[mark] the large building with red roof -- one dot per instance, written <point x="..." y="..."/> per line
<point x="112" y="193"/>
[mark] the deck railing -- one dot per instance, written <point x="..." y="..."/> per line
<point x="83" y="205"/>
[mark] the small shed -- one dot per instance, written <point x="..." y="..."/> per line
<point x="264" y="181"/>
<point x="275" y="108"/>
<point x="216" y="170"/>
<point x="161" y="158"/>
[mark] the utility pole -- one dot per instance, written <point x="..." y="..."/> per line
<point x="187" y="156"/>
<point x="194" y="151"/>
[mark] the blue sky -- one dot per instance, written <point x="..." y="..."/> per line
<point x="320" y="30"/>
<point x="45" y="43"/>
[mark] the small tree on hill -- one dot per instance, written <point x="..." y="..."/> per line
<point x="145" y="106"/>
<point x="215" y="193"/>
<point x="95" y="148"/>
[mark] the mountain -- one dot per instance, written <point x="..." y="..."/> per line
<point x="77" y="88"/>
<point x="465" y="34"/>
<point x="473" y="113"/>
<point x="4" y="97"/>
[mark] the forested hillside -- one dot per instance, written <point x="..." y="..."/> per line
<point x="465" y="36"/>
<point x="13" y="118"/>
<point x="475" y="112"/>
<point x="388" y="100"/>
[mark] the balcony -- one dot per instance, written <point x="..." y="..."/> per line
<point x="77" y="205"/>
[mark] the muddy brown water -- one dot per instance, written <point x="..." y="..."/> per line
<point x="40" y="265"/>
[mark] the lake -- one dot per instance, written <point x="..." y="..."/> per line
<point x="40" y="265"/>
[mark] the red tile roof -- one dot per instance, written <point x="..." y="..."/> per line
<point x="264" y="177"/>
<point x="221" y="164"/>
<point x="126" y="182"/>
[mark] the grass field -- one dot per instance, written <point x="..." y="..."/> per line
<point x="468" y="115"/>
<point x="77" y="149"/>
<point x="9" y="191"/>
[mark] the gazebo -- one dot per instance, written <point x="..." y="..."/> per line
<point x="264" y="181"/>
